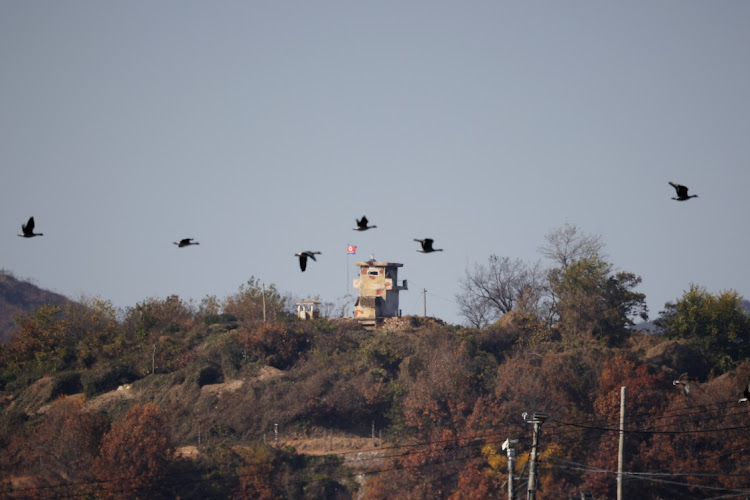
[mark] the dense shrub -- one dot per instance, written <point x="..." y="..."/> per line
<point x="135" y="455"/>
<point x="278" y="344"/>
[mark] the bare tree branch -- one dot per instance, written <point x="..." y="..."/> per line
<point x="568" y="244"/>
<point x="501" y="286"/>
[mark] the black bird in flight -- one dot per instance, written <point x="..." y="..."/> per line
<point x="682" y="192"/>
<point x="362" y="224"/>
<point x="427" y="245"/>
<point x="303" y="258"/>
<point x="746" y="394"/>
<point x="185" y="242"/>
<point x="684" y="382"/>
<point x="28" y="229"/>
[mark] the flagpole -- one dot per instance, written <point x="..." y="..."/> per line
<point x="350" y="250"/>
<point x="347" y="270"/>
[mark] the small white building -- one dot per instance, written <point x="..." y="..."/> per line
<point x="308" y="309"/>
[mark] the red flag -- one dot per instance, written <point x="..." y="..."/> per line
<point x="351" y="249"/>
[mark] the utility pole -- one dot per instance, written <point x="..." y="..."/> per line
<point x="536" y="419"/>
<point x="424" y="292"/>
<point x="153" y="361"/>
<point x="621" y="446"/>
<point x="264" y="302"/>
<point x="510" y="448"/>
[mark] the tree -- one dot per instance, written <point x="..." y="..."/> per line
<point x="209" y="306"/>
<point x="645" y="401"/>
<point x="592" y="300"/>
<point x="41" y="342"/>
<point x="441" y="395"/>
<point x="700" y="446"/>
<point x="158" y="317"/>
<point x="92" y="325"/>
<point x="501" y="286"/>
<point x="569" y="244"/>
<point x="475" y="483"/>
<point x="475" y="309"/>
<point x="247" y="304"/>
<point x="135" y="454"/>
<point x="67" y="441"/>
<point x="717" y="323"/>
<point x="257" y="474"/>
<point x="278" y="344"/>
<point x="554" y="382"/>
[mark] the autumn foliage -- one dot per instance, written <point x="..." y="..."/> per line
<point x="135" y="455"/>
<point x="167" y="400"/>
<point x="277" y="344"/>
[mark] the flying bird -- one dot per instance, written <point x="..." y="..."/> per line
<point x="684" y="382"/>
<point x="427" y="245"/>
<point x="682" y="192"/>
<point x="185" y="242"/>
<point x="362" y="224"/>
<point x="303" y="258"/>
<point x="746" y="394"/>
<point x="28" y="229"/>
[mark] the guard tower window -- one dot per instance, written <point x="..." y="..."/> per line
<point x="373" y="272"/>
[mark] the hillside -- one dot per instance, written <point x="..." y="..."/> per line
<point x="169" y="400"/>
<point x="18" y="296"/>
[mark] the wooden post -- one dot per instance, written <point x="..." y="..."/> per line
<point x="536" y="419"/>
<point x="621" y="446"/>
<point x="264" y="302"/>
<point x="531" y="489"/>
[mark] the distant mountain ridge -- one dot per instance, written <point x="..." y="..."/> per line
<point x="17" y="297"/>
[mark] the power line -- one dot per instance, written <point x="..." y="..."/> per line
<point x="478" y="439"/>
<point x="405" y="451"/>
<point x="649" y="414"/>
<point x="411" y="449"/>
<point x="644" y="477"/>
<point x="644" y="474"/>
<point x="640" y="431"/>
<point x="99" y="483"/>
<point x="684" y="418"/>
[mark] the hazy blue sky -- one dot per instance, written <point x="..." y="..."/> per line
<point x="265" y="128"/>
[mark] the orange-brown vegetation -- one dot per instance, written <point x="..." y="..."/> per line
<point x="95" y="402"/>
